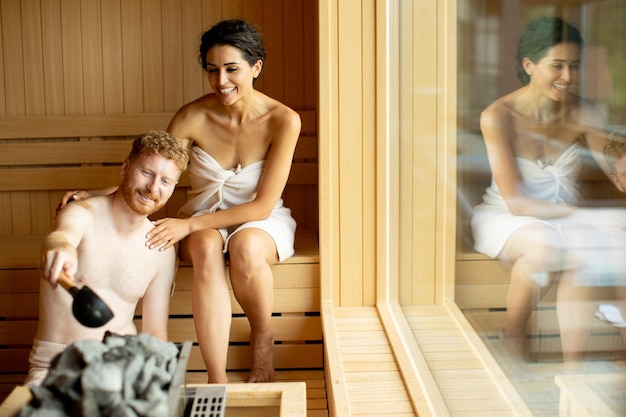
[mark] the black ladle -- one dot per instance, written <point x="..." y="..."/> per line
<point x="87" y="307"/>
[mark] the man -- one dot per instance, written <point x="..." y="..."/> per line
<point x="100" y="242"/>
<point x="615" y="155"/>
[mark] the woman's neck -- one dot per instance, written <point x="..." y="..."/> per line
<point x="538" y="108"/>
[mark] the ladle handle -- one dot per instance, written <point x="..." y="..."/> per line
<point x="66" y="282"/>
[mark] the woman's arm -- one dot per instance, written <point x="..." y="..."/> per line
<point x="285" y="130"/>
<point x="497" y="128"/>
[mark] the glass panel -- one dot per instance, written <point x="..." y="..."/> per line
<point x="552" y="307"/>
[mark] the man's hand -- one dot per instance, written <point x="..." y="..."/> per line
<point x="57" y="255"/>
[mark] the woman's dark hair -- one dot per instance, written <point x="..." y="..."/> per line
<point x="235" y="32"/>
<point x="539" y="36"/>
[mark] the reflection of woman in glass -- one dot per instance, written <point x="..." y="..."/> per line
<point x="535" y="137"/>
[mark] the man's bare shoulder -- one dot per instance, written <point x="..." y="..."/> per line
<point x="81" y="212"/>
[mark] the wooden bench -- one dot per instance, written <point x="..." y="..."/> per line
<point x="42" y="157"/>
<point x="482" y="283"/>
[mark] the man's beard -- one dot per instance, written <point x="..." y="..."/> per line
<point x="131" y="198"/>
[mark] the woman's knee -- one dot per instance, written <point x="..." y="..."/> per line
<point x="252" y="247"/>
<point x="202" y="246"/>
<point x="535" y="244"/>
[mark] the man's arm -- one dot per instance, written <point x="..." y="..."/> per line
<point x="156" y="301"/>
<point x="59" y="248"/>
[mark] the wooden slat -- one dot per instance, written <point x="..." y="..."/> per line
<point x="113" y="71"/>
<point x="285" y="329"/>
<point x="289" y="328"/>
<point x="18" y="281"/>
<point x="56" y="153"/>
<point x="14" y="88"/>
<point x="17" y="333"/>
<point x="92" y="62"/>
<point x="98" y="152"/>
<point x="102" y="125"/>
<point x="14" y="360"/>
<point x="70" y="178"/>
<point x="363" y="373"/>
<point x="22" y="252"/>
<point x="309" y="122"/>
<point x="96" y="125"/>
<point x="33" y="71"/>
<point x="286" y="356"/>
<point x="298" y="300"/>
<point x="152" y="56"/>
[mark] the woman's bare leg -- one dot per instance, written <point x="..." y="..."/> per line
<point x="211" y="306"/>
<point x="575" y="313"/>
<point x="535" y="251"/>
<point x="252" y="252"/>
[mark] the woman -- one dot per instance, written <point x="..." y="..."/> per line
<point x="242" y="148"/>
<point x="243" y="145"/>
<point x="535" y="137"/>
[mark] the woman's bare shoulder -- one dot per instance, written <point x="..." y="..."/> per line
<point x="196" y="107"/>
<point x="281" y="115"/>
<point x="191" y="117"/>
<point x="497" y="113"/>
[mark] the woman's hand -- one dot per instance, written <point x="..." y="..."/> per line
<point x="70" y="196"/>
<point x="167" y="232"/>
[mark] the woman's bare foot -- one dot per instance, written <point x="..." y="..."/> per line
<point x="262" y="346"/>
<point x="514" y="341"/>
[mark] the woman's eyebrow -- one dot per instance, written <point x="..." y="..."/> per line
<point x="227" y="63"/>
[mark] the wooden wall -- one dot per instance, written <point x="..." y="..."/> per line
<point x="66" y="57"/>
<point x="347" y="129"/>
<point x="386" y="189"/>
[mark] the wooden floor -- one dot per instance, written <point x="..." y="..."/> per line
<point x="468" y="385"/>
<point x="534" y="379"/>
<point x="371" y="381"/>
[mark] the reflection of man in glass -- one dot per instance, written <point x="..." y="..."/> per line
<point x="615" y="154"/>
<point x="535" y="137"/>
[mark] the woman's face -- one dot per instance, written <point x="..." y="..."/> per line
<point x="556" y="74"/>
<point x="230" y="75"/>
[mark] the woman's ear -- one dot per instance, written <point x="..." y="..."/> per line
<point x="256" y="68"/>
<point x="528" y="65"/>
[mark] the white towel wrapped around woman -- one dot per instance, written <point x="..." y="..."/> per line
<point x="215" y="188"/>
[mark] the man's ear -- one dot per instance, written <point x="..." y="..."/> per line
<point x="618" y="185"/>
<point x="124" y="169"/>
